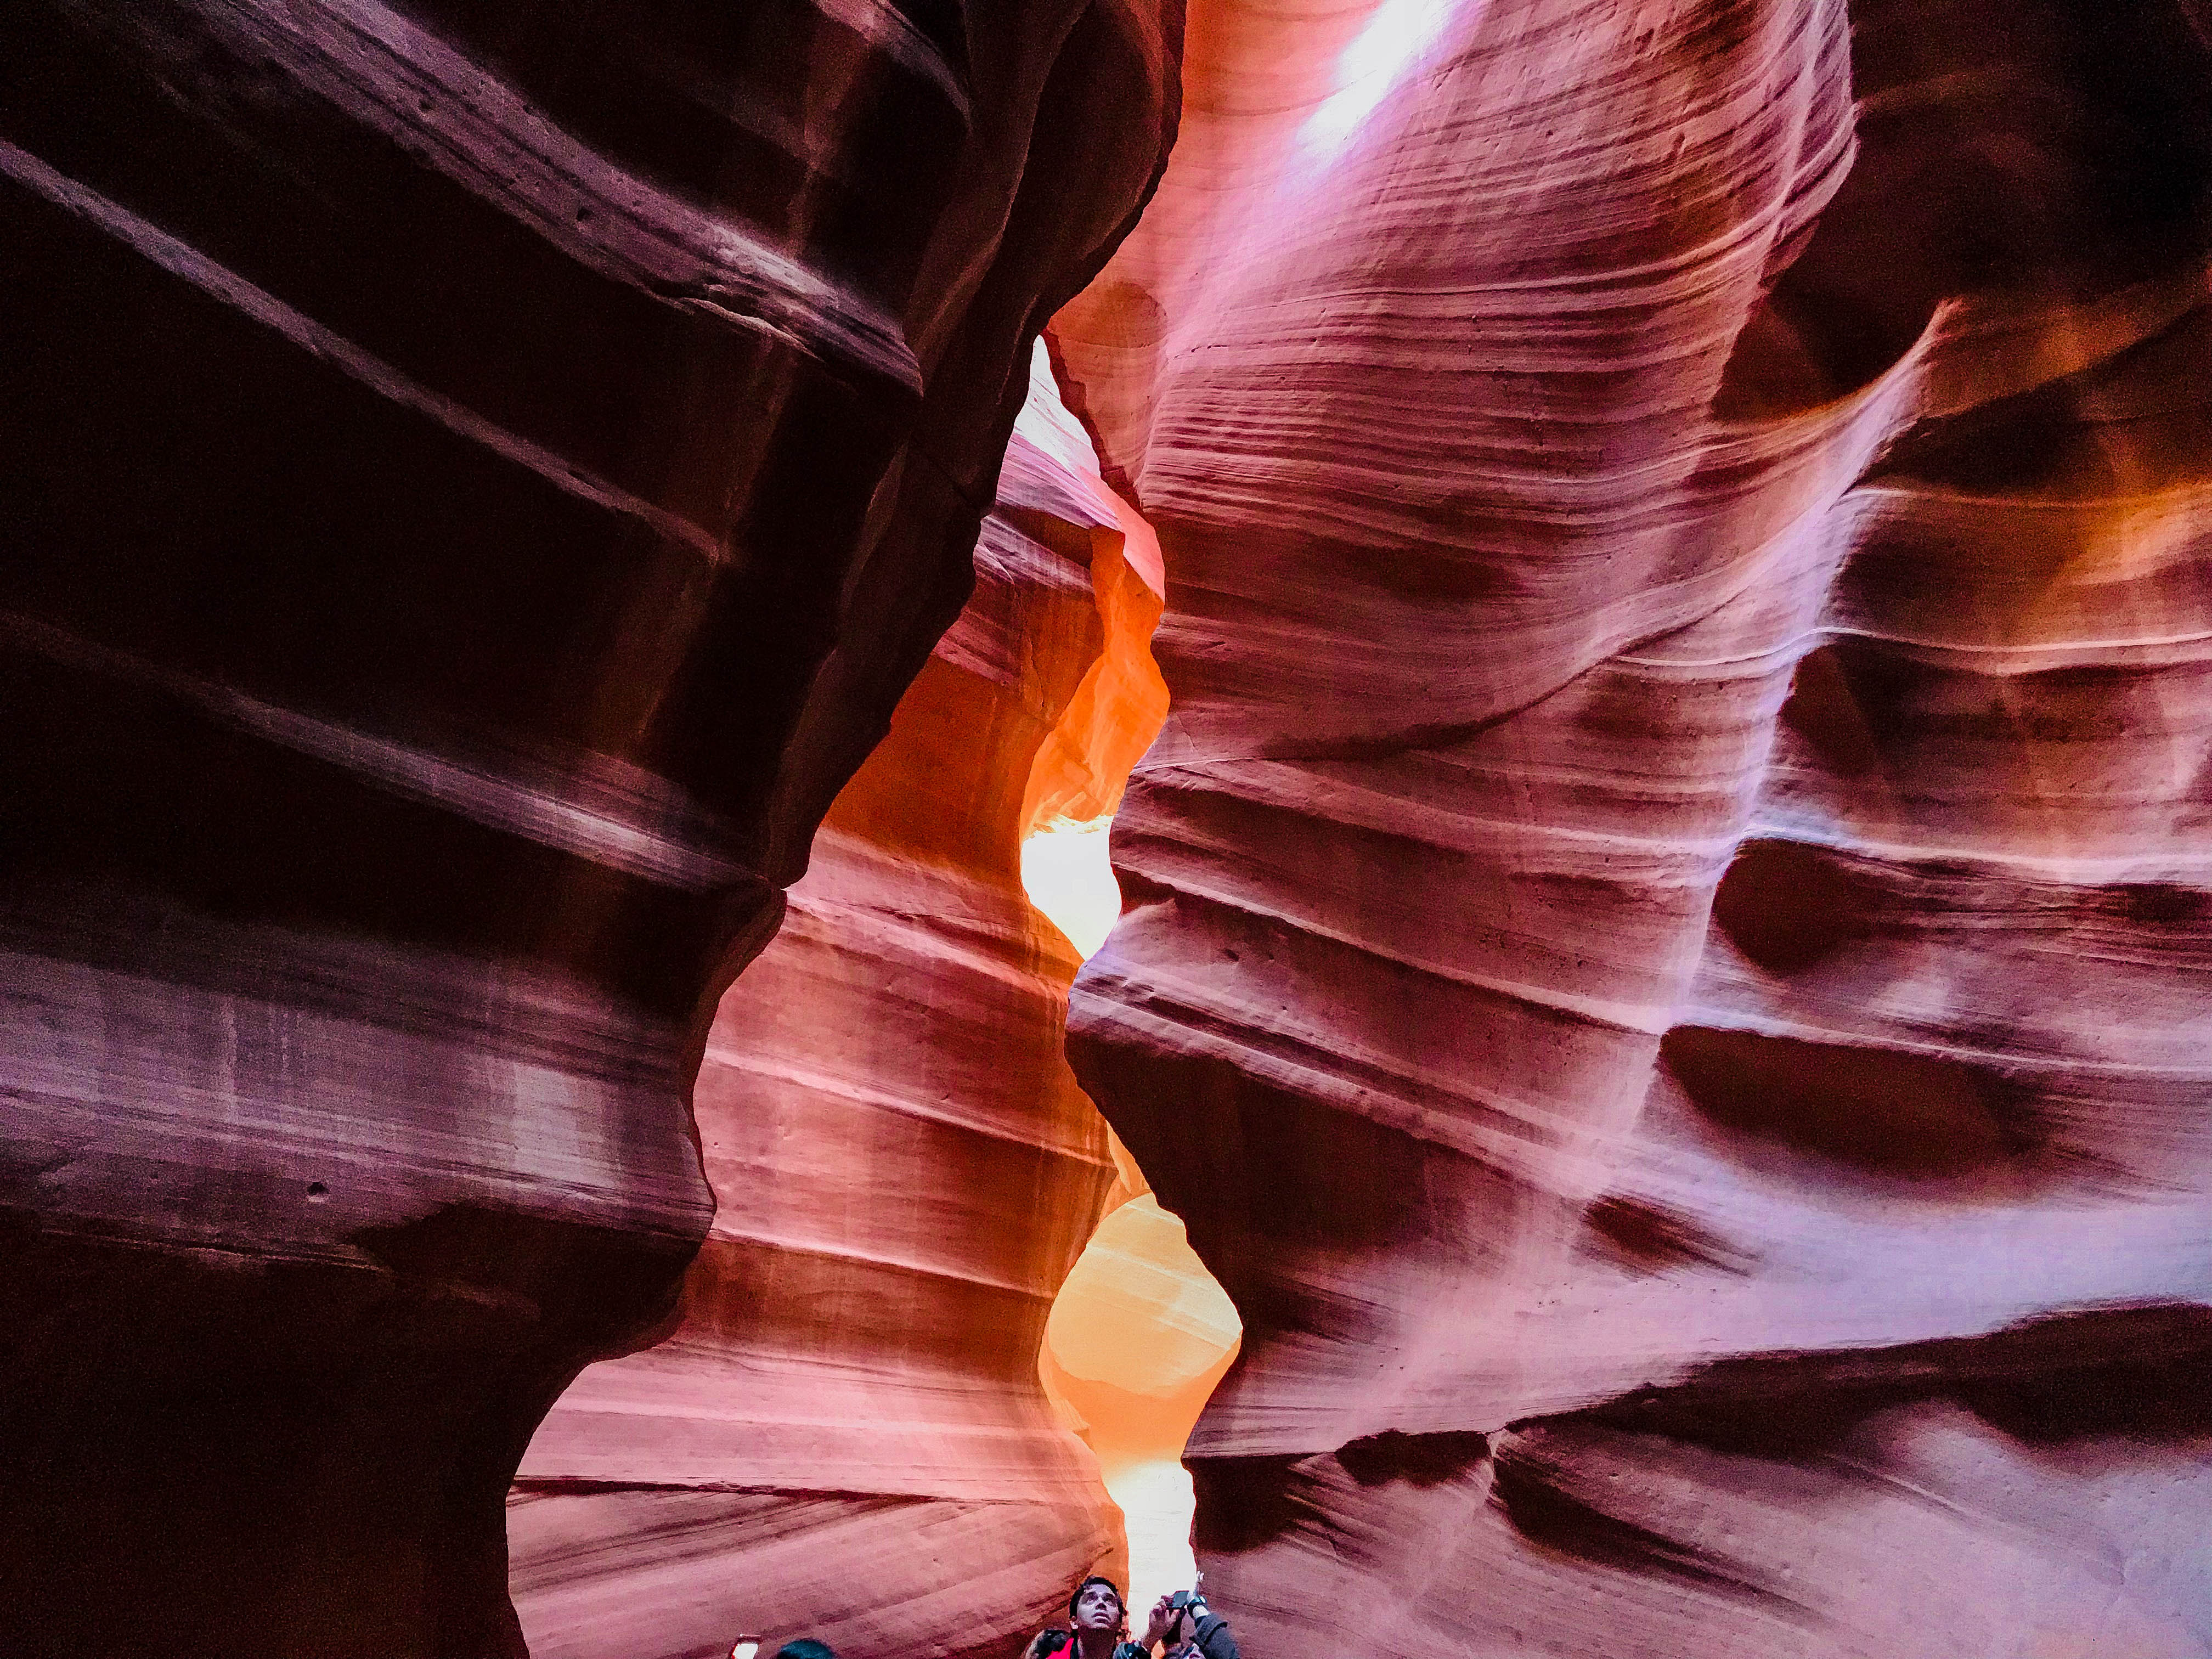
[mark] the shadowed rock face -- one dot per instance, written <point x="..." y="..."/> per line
<point x="1665" y="969"/>
<point x="478" y="479"/>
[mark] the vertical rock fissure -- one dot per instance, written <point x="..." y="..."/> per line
<point x="1141" y="1332"/>
<point x="847" y="1421"/>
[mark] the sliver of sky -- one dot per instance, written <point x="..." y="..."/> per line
<point x="1068" y="875"/>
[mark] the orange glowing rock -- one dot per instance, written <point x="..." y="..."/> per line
<point x="1139" y="1335"/>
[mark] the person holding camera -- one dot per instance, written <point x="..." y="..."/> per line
<point x="1101" y="1627"/>
<point x="1188" y="1629"/>
<point x="1182" y="1623"/>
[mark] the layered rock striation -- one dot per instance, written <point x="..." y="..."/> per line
<point x="478" y="478"/>
<point x="1667" y="925"/>
<point x="844" y="1436"/>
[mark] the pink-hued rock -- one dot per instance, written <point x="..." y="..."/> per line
<point x="478" y="479"/>
<point x="845" y="1435"/>
<point x="1668" y="927"/>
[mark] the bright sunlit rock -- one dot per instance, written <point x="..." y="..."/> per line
<point x="1157" y="1503"/>
<point x="1399" y="33"/>
<point x="1139" y="1335"/>
<point x="1065" y="873"/>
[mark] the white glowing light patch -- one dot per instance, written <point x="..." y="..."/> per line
<point x="1066" y="873"/>
<point x="1156" y="1504"/>
<point x="1398" y="32"/>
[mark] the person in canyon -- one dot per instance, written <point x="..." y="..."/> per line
<point x="1100" y="1626"/>
<point x="1192" y="1630"/>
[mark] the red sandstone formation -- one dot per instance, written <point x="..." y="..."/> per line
<point x="1669" y="928"/>
<point x="478" y="479"/>
<point x="845" y="1435"/>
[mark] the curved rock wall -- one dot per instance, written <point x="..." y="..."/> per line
<point x="845" y="1435"/>
<point x="478" y="478"/>
<point x="1667" y="925"/>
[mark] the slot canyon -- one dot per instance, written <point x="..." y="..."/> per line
<point x="583" y="1073"/>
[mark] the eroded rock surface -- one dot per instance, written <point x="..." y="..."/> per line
<point x="1669" y="922"/>
<point x="478" y="479"/>
<point x="845" y="1435"/>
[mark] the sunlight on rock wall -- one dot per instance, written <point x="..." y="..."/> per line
<point x="1141" y="1332"/>
<point x="904" y="1172"/>
<point x="1668" y="922"/>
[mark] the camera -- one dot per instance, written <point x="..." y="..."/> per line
<point x="1192" y="1601"/>
<point x="1185" y="1609"/>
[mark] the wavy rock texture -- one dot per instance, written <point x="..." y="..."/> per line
<point x="478" y="479"/>
<point x="1669" y="922"/>
<point x="845" y="1435"/>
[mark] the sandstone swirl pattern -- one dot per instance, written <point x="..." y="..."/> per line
<point x="1669" y="923"/>
<point x="845" y="1435"/>
<point x="478" y="478"/>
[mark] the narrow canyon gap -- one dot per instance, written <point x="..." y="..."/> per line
<point x="845" y="1435"/>
<point x="1667" y="929"/>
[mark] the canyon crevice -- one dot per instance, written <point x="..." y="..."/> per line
<point x="555" y="556"/>
<point x="845" y="1435"/>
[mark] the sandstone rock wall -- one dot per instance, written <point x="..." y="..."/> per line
<point x="1668" y="924"/>
<point x="478" y="479"/>
<point x="845" y="1435"/>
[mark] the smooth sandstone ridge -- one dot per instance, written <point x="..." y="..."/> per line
<point x="1669" y="928"/>
<point x="478" y="478"/>
<point x="845" y="1435"/>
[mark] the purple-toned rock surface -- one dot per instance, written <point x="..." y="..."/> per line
<point x="1666" y="966"/>
<point x="477" y="478"/>
<point x="1669" y="929"/>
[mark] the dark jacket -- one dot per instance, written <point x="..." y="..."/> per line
<point x="1067" y="1649"/>
<point x="1211" y="1638"/>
